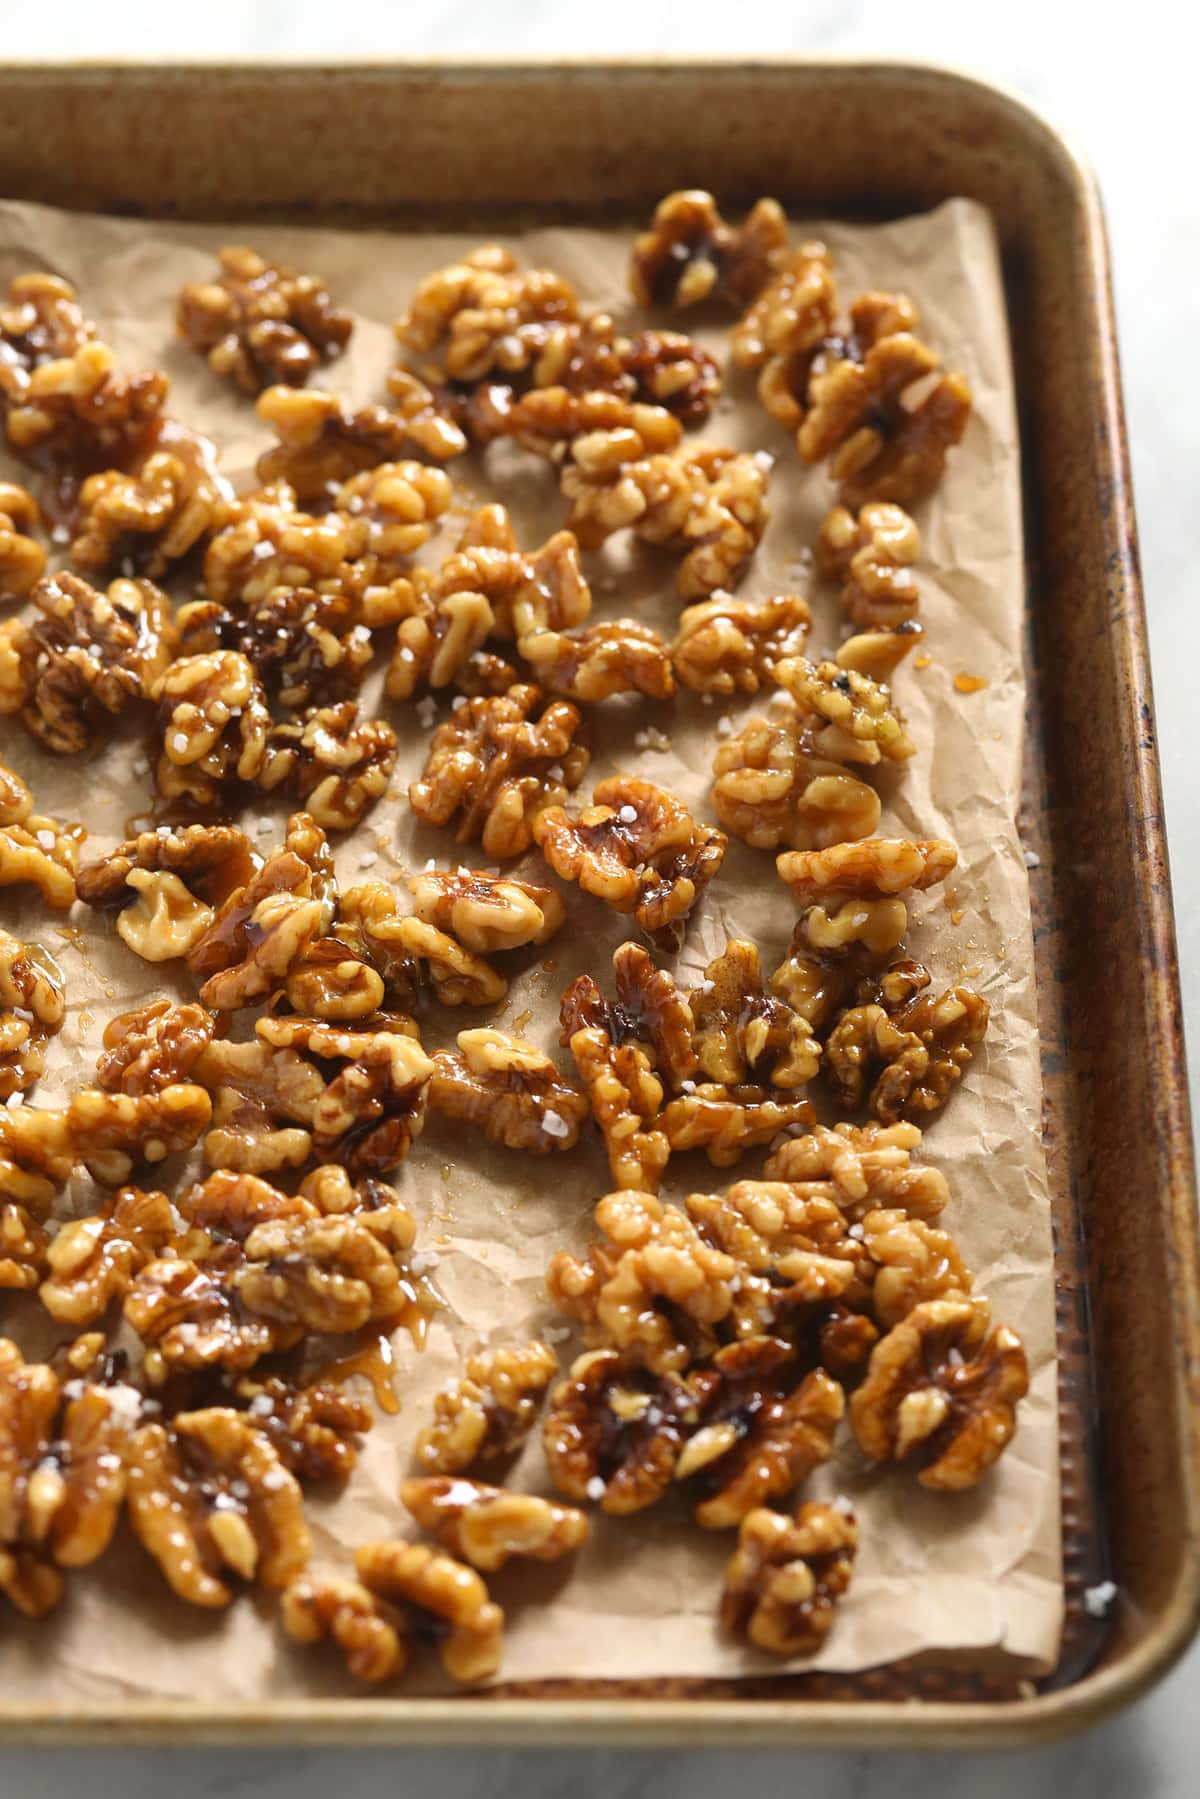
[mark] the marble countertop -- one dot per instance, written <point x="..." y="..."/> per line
<point x="1132" y="125"/>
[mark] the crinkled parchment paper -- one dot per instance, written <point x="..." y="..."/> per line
<point x="979" y="1571"/>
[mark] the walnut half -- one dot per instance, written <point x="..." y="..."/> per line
<point x="509" y="1088"/>
<point x="786" y="1576"/>
<point x="488" y="1527"/>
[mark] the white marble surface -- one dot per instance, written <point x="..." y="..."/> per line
<point x="1126" y="93"/>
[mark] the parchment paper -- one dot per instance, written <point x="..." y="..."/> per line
<point x="977" y="1572"/>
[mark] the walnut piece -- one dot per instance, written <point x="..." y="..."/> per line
<point x="626" y="1099"/>
<point x="43" y="853"/>
<point x="211" y="1501"/>
<point x="607" y="428"/>
<point x="650" y="1285"/>
<point x="210" y="860"/>
<point x="40" y="323"/>
<point x="484" y="314"/>
<point x="94" y="1260"/>
<point x="458" y="1614"/>
<point x="741" y="1030"/>
<point x="306" y="648"/>
<point x="153" y="513"/>
<point x="332" y="762"/>
<point x="780" y="333"/>
<point x="762" y="1429"/>
<point x="639" y="849"/>
<point x="328" y="1275"/>
<point x="944" y="1386"/>
<point x="188" y="1319"/>
<point x="88" y="656"/>
<point x="264" y="1102"/>
<point x="37" y="1152"/>
<point x="510" y="1089"/>
<point x="212" y="725"/>
<point x="649" y="1010"/>
<point x="165" y="920"/>
<point x="371" y="1636"/>
<point x="260" y="322"/>
<point x="915" y="1263"/>
<point x="709" y="504"/>
<point x="861" y="1168"/>
<point x="773" y="786"/>
<point x="690" y="254"/>
<point x="152" y="1047"/>
<point x="786" y="1576"/>
<point x="914" y="1045"/>
<point x="22" y="558"/>
<point x="32" y="1009"/>
<point x="314" y="1429"/>
<point x="16" y="801"/>
<point x="488" y="1527"/>
<point x="410" y="953"/>
<point x="875" y="868"/>
<point x="487" y="912"/>
<point x="262" y="928"/>
<point x="489" y="1411"/>
<point x="619" y="656"/>
<point x="324" y="444"/>
<point x="614" y="1431"/>
<point x="373" y="1107"/>
<point x="726" y="645"/>
<point x="114" y="1133"/>
<point x="497" y="763"/>
<point x="331" y="982"/>
<point x="80" y="410"/>
<point x="727" y="1121"/>
<point x="861" y="722"/>
<point x="872" y="555"/>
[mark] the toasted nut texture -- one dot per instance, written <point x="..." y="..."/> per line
<point x="649" y="1010"/>
<point x="796" y="1235"/>
<point x="262" y="928"/>
<point x="43" y="853"/>
<point x="488" y="1527"/>
<point x="212" y="726"/>
<point x="32" y="1009"/>
<point x="330" y="761"/>
<point x="331" y="982"/>
<point x="914" y="1046"/>
<point x="649" y="1285"/>
<point x="88" y="656"/>
<point x="726" y="645"/>
<point x="510" y="1089"/>
<point x="373" y="1107"/>
<point x="861" y="1168"/>
<point x="22" y="558"/>
<point x="626" y="1098"/>
<point x="616" y="429"/>
<point x="614" y="1431"/>
<point x="862" y="723"/>
<point x="779" y="335"/>
<point x="879" y="866"/>
<point x="465" y="1623"/>
<point x="496" y="763"/>
<point x="915" y="1264"/>
<point x="786" y="1576"/>
<point x="16" y="801"/>
<point x="639" y="849"/>
<point x="212" y="1502"/>
<point x="872" y="555"/>
<point x="942" y="1385"/>
<point x="314" y="1429"/>
<point x="210" y="860"/>
<point x="41" y="322"/>
<point x="774" y="785"/>
<point x="260" y="322"/>
<point x="187" y="1316"/>
<point x="690" y="254"/>
<point x="153" y="513"/>
<point x="307" y="648"/>
<point x="489" y="1411"/>
<point x="727" y="1121"/>
<point x="620" y="656"/>
<point x="484" y="314"/>
<point x="264" y="1103"/>
<point x="370" y="1634"/>
<point x="323" y="444"/>
<point x="37" y="1151"/>
<point x="93" y="1261"/>
<point x="742" y="1031"/>
<point x="487" y="912"/>
<point x="81" y="409"/>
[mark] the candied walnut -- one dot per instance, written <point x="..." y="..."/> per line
<point x="759" y="1434"/>
<point x="32" y="1009"/>
<point x="210" y="1500"/>
<point x="489" y="1411"/>
<point x="262" y="928"/>
<point x="82" y="409"/>
<point x="727" y="1121"/>
<point x="22" y="558"/>
<point x="329" y="981"/>
<point x="509" y="1088"/>
<point x="690" y="254"/>
<point x="774" y="1227"/>
<point x="872" y="556"/>
<point x="639" y="849"/>
<point x="487" y="912"/>
<point x="153" y="1047"/>
<point x="499" y="762"/>
<point x="16" y="801"/>
<point x="373" y="1107"/>
<point x="619" y="656"/>
<point x="23" y="1246"/>
<point x="789" y="322"/>
<point x="264" y="1101"/>
<point x="113" y="1133"/>
<point x="336" y="763"/>
<point x="269" y="543"/>
<point x="388" y="511"/>
<point x="862" y="722"/>
<point x="369" y="1633"/>
<point x="944" y="1386"/>
<point x="773" y="786"/>
<point x="190" y="1321"/>
<point x="708" y="503"/>
<point x="915" y="1262"/>
<point x="213" y="724"/>
<point x="323" y="444"/>
<point x="62" y="1476"/>
<point x="41" y="322"/>
<point x="488" y="1527"/>
<point x="154" y="513"/>
<point x="614" y="1431"/>
<point x="649" y="1010"/>
<point x="211" y="861"/>
<point x="827" y="958"/>
<point x="726" y="645"/>
<point x="313" y="1429"/>
<point x="878" y="866"/>
<point x="862" y="1168"/>
<point x="37" y="1152"/>
<point x="165" y="921"/>
<point x="626" y="1098"/>
<point x="606" y="429"/>
<point x="330" y="1275"/>
<point x="651" y="1285"/>
<point x="671" y="370"/>
<point x="741" y="1029"/>
<point x="485" y="314"/>
<point x="525" y="591"/>
<point x="43" y="853"/>
<point x="260" y="322"/>
<point x="785" y="1577"/>
<point x="307" y="648"/>
<point x="440" y="643"/>
<point x="88" y="656"/>
<point x="92" y="1261"/>
<point x="921" y="1044"/>
<point x="407" y="951"/>
<point x="450" y="1600"/>
<point x="227" y="1206"/>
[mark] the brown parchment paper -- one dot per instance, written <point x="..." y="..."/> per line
<point x="977" y="1572"/>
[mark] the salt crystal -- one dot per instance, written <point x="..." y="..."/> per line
<point x="842" y="1504"/>
<point x="423" y="1261"/>
<point x="707" y="986"/>
<point x="1032" y="859"/>
<point x="261" y="1406"/>
<point x="263" y="825"/>
<point x="179" y="743"/>
<point x="368" y="860"/>
<point x="553" y="1124"/>
<point x="61" y="534"/>
<point x="15" y="1100"/>
<point x="725" y="726"/>
<point x="856" y="1231"/>
<point x="555" y="771"/>
<point x="595" y="1488"/>
<point x="73" y="1390"/>
<point x="706" y="699"/>
<point x="46" y="839"/>
<point x="125" y="1403"/>
<point x="955" y="1357"/>
<point x="557" y="1333"/>
<point x="1097" y="1600"/>
<point x="458" y="702"/>
<point x="687" y="1086"/>
<point x="429" y="867"/>
<point x="764" y="460"/>
<point x="129" y="568"/>
<point x="426" y="711"/>
<point x="628" y="815"/>
<point x="462" y="871"/>
<point x="141" y="766"/>
<point x="274" y="1479"/>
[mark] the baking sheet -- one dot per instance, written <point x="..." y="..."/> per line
<point x="979" y="1571"/>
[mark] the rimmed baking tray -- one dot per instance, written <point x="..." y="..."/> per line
<point x="466" y="144"/>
